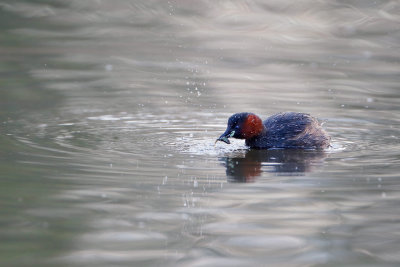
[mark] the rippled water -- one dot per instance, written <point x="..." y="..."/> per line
<point x="109" y="111"/>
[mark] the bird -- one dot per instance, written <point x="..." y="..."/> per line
<point x="285" y="130"/>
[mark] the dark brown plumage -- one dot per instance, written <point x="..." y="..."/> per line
<point x="282" y="130"/>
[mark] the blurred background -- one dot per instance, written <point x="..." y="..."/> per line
<point x="109" y="111"/>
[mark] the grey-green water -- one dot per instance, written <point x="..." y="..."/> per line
<point x="109" y="111"/>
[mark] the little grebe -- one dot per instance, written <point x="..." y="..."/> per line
<point x="282" y="130"/>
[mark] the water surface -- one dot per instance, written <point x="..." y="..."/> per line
<point x="109" y="112"/>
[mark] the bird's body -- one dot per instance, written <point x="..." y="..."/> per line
<point x="282" y="130"/>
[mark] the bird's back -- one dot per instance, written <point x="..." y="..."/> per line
<point x="292" y="130"/>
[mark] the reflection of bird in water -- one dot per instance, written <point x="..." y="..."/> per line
<point x="246" y="167"/>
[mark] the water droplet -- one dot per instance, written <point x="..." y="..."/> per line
<point x="108" y="67"/>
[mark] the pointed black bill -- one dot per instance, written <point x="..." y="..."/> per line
<point x="224" y="137"/>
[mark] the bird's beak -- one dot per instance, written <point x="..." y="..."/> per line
<point x="224" y="137"/>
